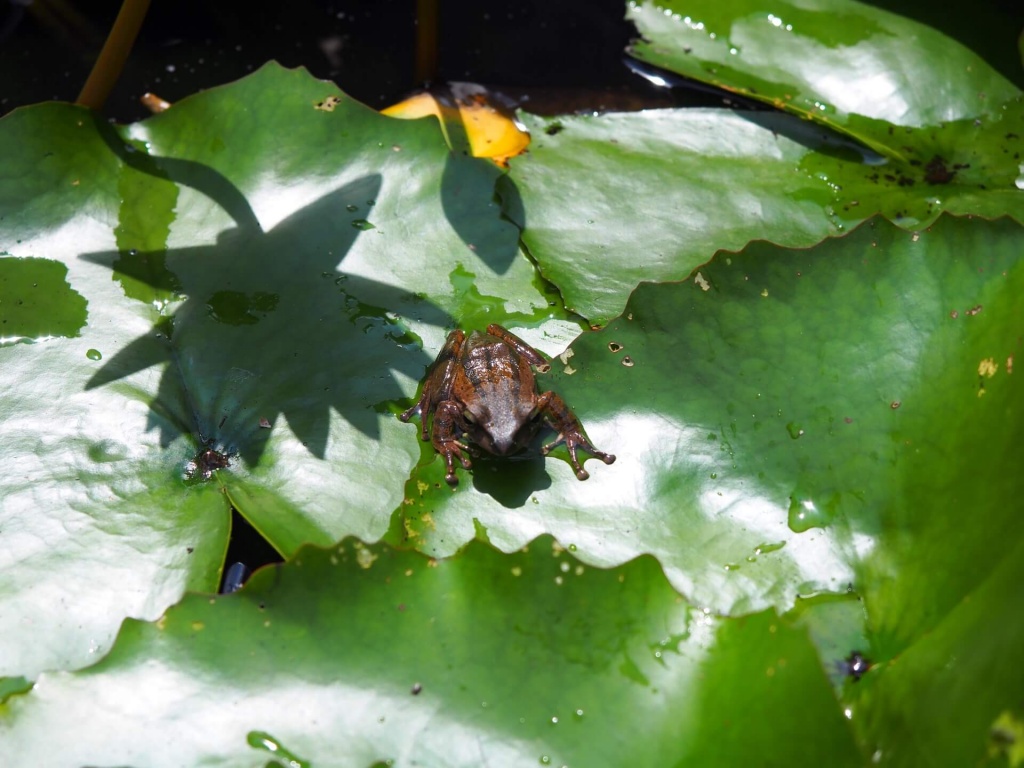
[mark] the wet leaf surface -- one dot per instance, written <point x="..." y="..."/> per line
<point x="780" y="423"/>
<point x="811" y="524"/>
<point x="841" y="63"/>
<point x="686" y="183"/>
<point x="231" y="284"/>
<point x="384" y="655"/>
<point x="37" y="301"/>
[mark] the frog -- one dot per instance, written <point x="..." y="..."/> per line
<point x="482" y="389"/>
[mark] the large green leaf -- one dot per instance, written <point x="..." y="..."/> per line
<point x="223" y="290"/>
<point x="850" y="65"/>
<point x="675" y="200"/>
<point x="950" y="697"/>
<point x="862" y="388"/>
<point x="827" y="434"/>
<point x="360" y="654"/>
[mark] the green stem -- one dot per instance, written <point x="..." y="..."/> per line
<point x="110" y="62"/>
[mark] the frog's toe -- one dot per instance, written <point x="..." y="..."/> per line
<point x="546" y="449"/>
<point x="582" y="474"/>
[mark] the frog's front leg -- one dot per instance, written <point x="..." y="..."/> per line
<point x="438" y="385"/>
<point x="447" y="416"/>
<point x="570" y="431"/>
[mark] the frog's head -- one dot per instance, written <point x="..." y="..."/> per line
<point x="501" y="433"/>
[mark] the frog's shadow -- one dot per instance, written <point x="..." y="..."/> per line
<point x="511" y="480"/>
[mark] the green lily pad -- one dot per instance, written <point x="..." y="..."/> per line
<point x="787" y="423"/>
<point x="850" y="65"/>
<point x="952" y="696"/>
<point x="382" y="655"/>
<point x="608" y="201"/>
<point x="248" y="338"/>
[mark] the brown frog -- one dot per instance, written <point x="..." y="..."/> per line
<point x="483" y="388"/>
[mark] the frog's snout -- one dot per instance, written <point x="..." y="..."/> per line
<point x="503" y="446"/>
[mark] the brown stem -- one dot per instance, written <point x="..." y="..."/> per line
<point x="115" y="52"/>
<point x="426" y="41"/>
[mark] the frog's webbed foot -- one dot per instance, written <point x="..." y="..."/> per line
<point x="570" y="432"/>
<point x="574" y="440"/>
<point x="452" y="449"/>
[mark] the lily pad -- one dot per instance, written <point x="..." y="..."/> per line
<point x="382" y="655"/>
<point x="257" y="312"/>
<point x="850" y="65"/>
<point x="607" y="201"/>
<point x="787" y="423"/>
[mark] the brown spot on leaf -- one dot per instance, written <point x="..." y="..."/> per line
<point x="936" y="171"/>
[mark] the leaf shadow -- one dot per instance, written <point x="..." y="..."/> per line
<point x="462" y="193"/>
<point x="269" y="327"/>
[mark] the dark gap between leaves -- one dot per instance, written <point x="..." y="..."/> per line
<point x="246" y="546"/>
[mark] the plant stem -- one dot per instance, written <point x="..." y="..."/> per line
<point x="426" y="41"/>
<point x="110" y="62"/>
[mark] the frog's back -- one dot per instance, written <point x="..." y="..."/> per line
<point x="496" y="374"/>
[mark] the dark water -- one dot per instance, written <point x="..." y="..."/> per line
<point x="566" y="55"/>
<point x="367" y="48"/>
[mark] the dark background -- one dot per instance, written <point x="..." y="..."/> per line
<point x="367" y="48"/>
<point x="565" y="54"/>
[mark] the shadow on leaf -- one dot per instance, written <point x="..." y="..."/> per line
<point x="266" y="325"/>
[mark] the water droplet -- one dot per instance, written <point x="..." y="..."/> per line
<point x="545" y="760"/>
<point x="351" y="208"/>
<point x="764" y="549"/>
<point x="266" y="742"/>
<point x="805" y="513"/>
<point x="94" y="354"/>
<point x="362" y="224"/>
<point x="554" y="721"/>
<point x="572" y="547"/>
<point x="795" y="431"/>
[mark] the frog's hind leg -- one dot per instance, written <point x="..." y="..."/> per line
<point x="446" y="417"/>
<point x="528" y="353"/>
<point x="570" y="431"/>
<point x="438" y="384"/>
